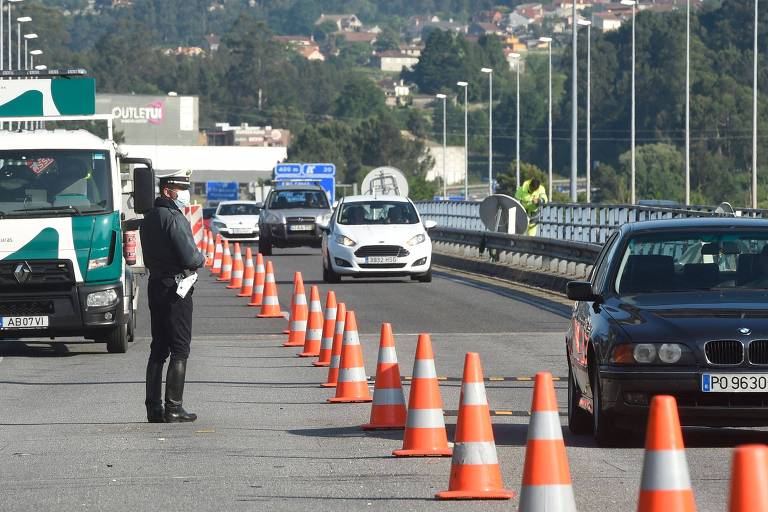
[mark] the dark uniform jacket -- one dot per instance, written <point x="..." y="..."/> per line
<point x="167" y="242"/>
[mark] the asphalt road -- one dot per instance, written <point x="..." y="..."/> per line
<point x="73" y="434"/>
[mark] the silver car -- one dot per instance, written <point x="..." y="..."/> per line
<point x="291" y="215"/>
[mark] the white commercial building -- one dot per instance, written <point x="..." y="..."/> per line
<point x="454" y="163"/>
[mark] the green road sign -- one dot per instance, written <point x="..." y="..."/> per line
<point x="49" y="97"/>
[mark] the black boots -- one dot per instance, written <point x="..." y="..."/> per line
<point x="174" y="392"/>
<point x="154" y="400"/>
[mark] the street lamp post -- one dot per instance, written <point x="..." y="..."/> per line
<point x="574" y="106"/>
<point x="27" y="38"/>
<point x="548" y="41"/>
<point x="32" y="54"/>
<point x="10" y="19"/>
<point x="19" y="21"/>
<point x="445" y="147"/>
<point x="516" y="57"/>
<point x="465" y="86"/>
<point x="754" y="115"/>
<point x="632" y="3"/>
<point x="489" y="72"/>
<point x="588" y="24"/>
<point x="688" y="102"/>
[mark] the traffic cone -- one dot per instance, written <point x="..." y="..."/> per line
<point x="748" y="477"/>
<point x="546" y="478"/>
<point x="247" y="289"/>
<point x="475" y="472"/>
<point x="665" y="483"/>
<point x="352" y="384"/>
<point x="226" y="263"/>
<point x="315" y="325"/>
<point x="236" y="281"/>
<point x="425" y="434"/>
<point x="338" y="339"/>
<point x="203" y="243"/>
<point x="388" y="409"/>
<point x="210" y="250"/>
<point x="258" y="281"/>
<point x="329" y="324"/>
<point x="270" y="306"/>
<point x="217" y="256"/>
<point x="297" y="323"/>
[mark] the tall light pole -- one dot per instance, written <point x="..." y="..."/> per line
<point x="516" y="57"/>
<point x="2" y="35"/>
<point x="588" y="24"/>
<point x="10" y="31"/>
<point x="548" y="41"/>
<point x="633" y="3"/>
<point x="489" y="72"/>
<point x="19" y="21"/>
<point x="445" y="146"/>
<point x="32" y="54"/>
<point x="27" y="38"/>
<point x="754" y="115"/>
<point x="574" y="107"/>
<point x="688" y="102"/>
<point x="465" y="86"/>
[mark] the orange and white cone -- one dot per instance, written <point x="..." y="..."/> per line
<point x="226" y="263"/>
<point x="297" y="323"/>
<point x="217" y="257"/>
<point x="352" y="384"/>
<point x="247" y="289"/>
<point x="210" y="250"/>
<point x="270" y="305"/>
<point x="665" y="483"/>
<point x="329" y="325"/>
<point x="748" y="477"/>
<point x="338" y="339"/>
<point x="425" y="434"/>
<point x="475" y="472"/>
<point x="546" y="477"/>
<point x="236" y="281"/>
<point x="202" y="246"/>
<point x="315" y="326"/>
<point x="258" y="281"/>
<point x="388" y="408"/>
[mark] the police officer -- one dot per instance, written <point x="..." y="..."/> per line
<point x="170" y="254"/>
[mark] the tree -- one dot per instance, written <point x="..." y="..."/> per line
<point x="659" y="171"/>
<point x="360" y="98"/>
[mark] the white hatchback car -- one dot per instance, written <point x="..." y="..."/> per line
<point x="237" y="220"/>
<point x="377" y="236"/>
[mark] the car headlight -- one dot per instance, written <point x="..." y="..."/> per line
<point x="345" y="241"/>
<point x="102" y="299"/>
<point x="670" y="352"/>
<point x="644" y="353"/>
<point x="98" y="263"/>
<point x="218" y="224"/>
<point x="416" y="240"/>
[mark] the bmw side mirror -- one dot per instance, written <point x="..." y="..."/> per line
<point x="582" y="291"/>
<point x="430" y="224"/>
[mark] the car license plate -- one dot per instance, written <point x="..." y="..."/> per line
<point x="241" y="231"/>
<point x="23" y="322"/>
<point x="734" y="382"/>
<point x="381" y="259"/>
<point x="301" y="227"/>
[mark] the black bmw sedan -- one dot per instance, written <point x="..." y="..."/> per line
<point x="675" y="307"/>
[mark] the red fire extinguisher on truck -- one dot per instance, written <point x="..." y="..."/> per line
<point x="129" y="247"/>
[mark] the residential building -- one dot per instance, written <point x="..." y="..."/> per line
<point x="304" y="46"/>
<point x="397" y="94"/>
<point x="605" y="21"/>
<point x="412" y="50"/>
<point x="517" y="22"/>
<point x="213" y="42"/>
<point x="395" y="61"/>
<point x="185" y="51"/>
<point x="357" y="37"/>
<point x="485" y="29"/>
<point x="494" y="17"/>
<point x="418" y="27"/>
<point x="343" y="22"/>
<point x="532" y="11"/>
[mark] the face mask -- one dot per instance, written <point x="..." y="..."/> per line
<point x="182" y="199"/>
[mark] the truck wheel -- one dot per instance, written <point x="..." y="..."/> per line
<point x="117" y="340"/>
<point x="265" y="246"/>
<point x="132" y="326"/>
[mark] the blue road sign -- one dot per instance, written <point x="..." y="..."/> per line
<point x="222" y="191"/>
<point x="309" y="174"/>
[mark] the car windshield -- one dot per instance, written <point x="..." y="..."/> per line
<point x="68" y="181"/>
<point x="310" y="199"/>
<point x="689" y="261"/>
<point x="239" y="209"/>
<point x="378" y="212"/>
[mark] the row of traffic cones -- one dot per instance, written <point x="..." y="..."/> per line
<point x="331" y="335"/>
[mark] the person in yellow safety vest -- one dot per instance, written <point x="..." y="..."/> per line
<point x="532" y="195"/>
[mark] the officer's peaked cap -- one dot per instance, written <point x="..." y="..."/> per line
<point x="178" y="179"/>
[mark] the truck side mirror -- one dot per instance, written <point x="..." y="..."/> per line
<point x="143" y="189"/>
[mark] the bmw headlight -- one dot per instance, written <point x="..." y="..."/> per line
<point x="644" y="352"/>
<point x="670" y="352"/>
<point x="416" y="240"/>
<point x="345" y="241"/>
<point x="102" y="299"/>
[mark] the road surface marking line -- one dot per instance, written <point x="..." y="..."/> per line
<point x="503" y="413"/>
<point x="495" y="379"/>
<point x="524" y="378"/>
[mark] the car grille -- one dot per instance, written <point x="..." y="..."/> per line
<point x="26" y="308"/>
<point x="48" y="273"/>
<point x="381" y="265"/>
<point x="303" y="220"/>
<point x="724" y="352"/>
<point x="698" y="399"/>
<point x="381" y="250"/>
<point x="758" y="352"/>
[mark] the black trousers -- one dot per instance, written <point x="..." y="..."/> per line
<point x="171" y="318"/>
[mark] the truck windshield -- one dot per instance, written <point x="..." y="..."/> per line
<point x="68" y="181"/>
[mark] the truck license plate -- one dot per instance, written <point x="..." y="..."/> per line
<point x="301" y="227"/>
<point x="381" y="259"/>
<point x="23" y="322"/>
<point x="734" y="382"/>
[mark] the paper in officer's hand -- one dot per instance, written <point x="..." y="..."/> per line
<point x="185" y="285"/>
